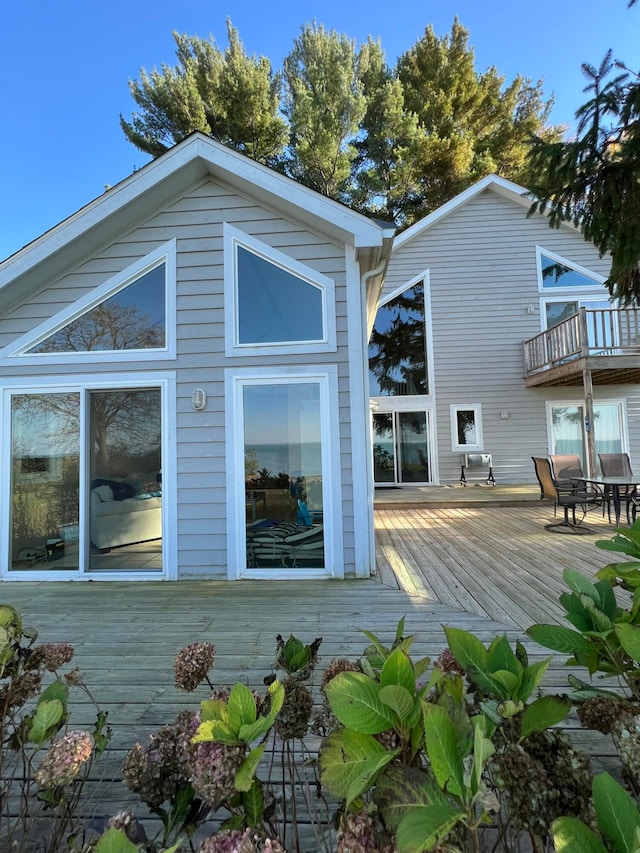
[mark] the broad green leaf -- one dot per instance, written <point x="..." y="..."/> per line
<point x="545" y="712"/>
<point x="400" y="629"/>
<point x="383" y="651"/>
<point x="467" y="649"/>
<point x="214" y="709"/>
<point x="609" y="606"/>
<point x="629" y="637"/>
<point x="580" y="584"/>
<point x="354" y="699"/>
<point x="48" y="716"/>
<point x="115" y="841"/>
<point x="56" y="690"/>
<point x="483" y="749"/>
<point x="242" y="707"/>
<point x="531" y="678"/>
<point x="244" y="776"/>
<point x="488" y="683"/>
<point x="253" y="804"/>
<point x="215" y="730"/>
<point x="502" y="657"/>
<point x="442" y="749"/>
<point x="400" y="789"/>
<point x="420" y="667"/>
<point x="398" y="669"/>
<point x="9" y="616"/>
<point x="616" y="813"/>
<point x="350" y="761"/>
<point x="509" y="681"/>
<point x="399" y="700"/>
<point x="570" y="835"/>
<point x="424" y="827"/>
<point x="559" y="638"/>
<point x="261" y="726"/>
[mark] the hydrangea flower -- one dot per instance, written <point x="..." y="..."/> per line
<point x="64" y="759"/>
<point x="192" y="664"/>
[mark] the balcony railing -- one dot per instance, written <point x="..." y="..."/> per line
<point x="590" y="332"/>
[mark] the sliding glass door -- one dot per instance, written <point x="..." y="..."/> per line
<point x="401" y="447"/>
<point x="568" y="434"/>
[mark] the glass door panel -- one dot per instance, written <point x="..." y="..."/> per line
<point x="283" y="476"/>
<point x="568" y="430"/>
<point x="125" y="500"/>
<point x="383" y="448"/>
<point x="45" y="456"/>
<point x="413" y="447"/>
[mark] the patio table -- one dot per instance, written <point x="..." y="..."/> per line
<point x="613" y="483"/>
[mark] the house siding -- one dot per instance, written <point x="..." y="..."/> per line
<point x="482" y="267"/>
<point x="196" y="220"/>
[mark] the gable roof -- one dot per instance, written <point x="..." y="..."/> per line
<point x="501" y="186"/>
<point x="158" y="183"/>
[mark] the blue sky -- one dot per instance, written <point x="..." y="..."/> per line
<point x="64" y="68"/>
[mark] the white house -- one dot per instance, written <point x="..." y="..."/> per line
<point x="449" y="373"/>
<point x="183" y="379"/>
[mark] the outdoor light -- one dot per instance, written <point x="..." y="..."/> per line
<point x="199" y="399"/>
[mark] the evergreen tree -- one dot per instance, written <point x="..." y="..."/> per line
<point x="593" y="180"/>
<point x="325" y="103"/>
<point x="230" y="96"/>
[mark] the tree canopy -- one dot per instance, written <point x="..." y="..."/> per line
<point x="593" y="180"/>
<point x="396" y="142"/>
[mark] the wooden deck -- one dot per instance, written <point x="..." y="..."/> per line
<point x="486" y="569"/>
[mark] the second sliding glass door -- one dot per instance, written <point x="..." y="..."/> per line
<point x="401" y="448"/>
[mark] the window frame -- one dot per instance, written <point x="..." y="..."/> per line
<point x="326" y="377"/>
<point x="166" y="253"/>
<point x="476" y="408"/>
<point x="588" y="293"/>
<point x="232" y="238"/>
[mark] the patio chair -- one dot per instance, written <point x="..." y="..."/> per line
<point x="564" y="467"/>
<point x="566" y="496"/>
<point x="618" y="465"/>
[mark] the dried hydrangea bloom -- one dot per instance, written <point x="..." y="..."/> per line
<point x="293" y="718"/>
<point x="214" y="771"/>
<point x="335" y="666"/>
<point x="362" y="833"/>
<point x="240" y="841"/>
<point x="156" y="772"/>
<point x="192" y="664"/>
<point x="447" y="662"/>
<point x="20" y="689"/>
<point x="64" y="759"/>
<point x="53" y="656"/>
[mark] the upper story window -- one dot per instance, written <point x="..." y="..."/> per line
<point x="277" y="304"/>
<point x="128" y="313"/>
<point x="397" y="348"/>
<point x="565" y="287"/>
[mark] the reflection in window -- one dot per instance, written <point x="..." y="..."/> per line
<point x="132" y="319"/>
<point x="283" y="475"/>
<point x="568" y="436"/>
<point x="558" y="312"/>
<point x="466" y="422"/>
<point x="466" y="427"/>
<point x="557" y="274"/>
<point x="45" y="452"/>
<point x="275" y="306"/>
<point x="397" y="349"/>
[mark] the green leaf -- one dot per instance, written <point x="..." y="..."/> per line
<point x="570" y="835"/>
<point x="242" y="707"/>
<point x="354" y="699"/>
<point x="581" y="585"/>
<point x="399" y="700"/>
<point x="215" y="730"/>
<point x="483" y="749"/>
<point x="115" y="841"/>
<point x="46" y="720"/>
<point x="425" y="827"/>
<point x="488" y="683"/>
<point x="399" y="789"/>
<point x="616" y="813"/>
<point x="420" y="667"/>
<point x="56" y="690"/>
<point x="9" y="616"/>
<point x="629" y="637"/>
<point x="442" y="749"/>
<point x="531" y="678"/>
<point x="508" y="680"/>
<point x="245" y="775"/>
<point x="467" y="649"/>
<point x="253" y="804"/>
<point x="383" y="651"/>
<point x="400" y="630"/>
<point x="559" y="638"/>
<point x="501" y="657"/>
<point x="609" y="605"/>
<point x="398" y="669"/>
<point x="252" y="731"/>
<point x="350" y="761"/>
<point x="545" y="712"/>
<point x="214" y="709"/>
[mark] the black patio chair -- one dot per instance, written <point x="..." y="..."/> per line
<point x="566" y="496"/>
<point x="619" y="465"/>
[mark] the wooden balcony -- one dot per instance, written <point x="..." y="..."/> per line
<point x="605" y="341"/>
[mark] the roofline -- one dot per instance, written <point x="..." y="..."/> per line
<point x="213" y="157"/>
<point x="502" y="186"/>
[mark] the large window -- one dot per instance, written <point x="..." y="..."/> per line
<point x="274" y="303"/>
<point x="397" y="349"/>
<point x="568" y="428"/>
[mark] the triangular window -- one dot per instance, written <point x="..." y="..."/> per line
<point x="127" y="313"/>
<point x="132" y="319"/>
<point x="555" y="272"/>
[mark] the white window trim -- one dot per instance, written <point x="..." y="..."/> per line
<point x="476" y="408"/>
<point x="579" y="403"/>
<point x="166" y="381"/>
<point x="597" y="280"/>
<point x="232" y="238"/>
<point x="326" y="377"/>
<point x="165" y="253"/>
<point x="425" y="399"/>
